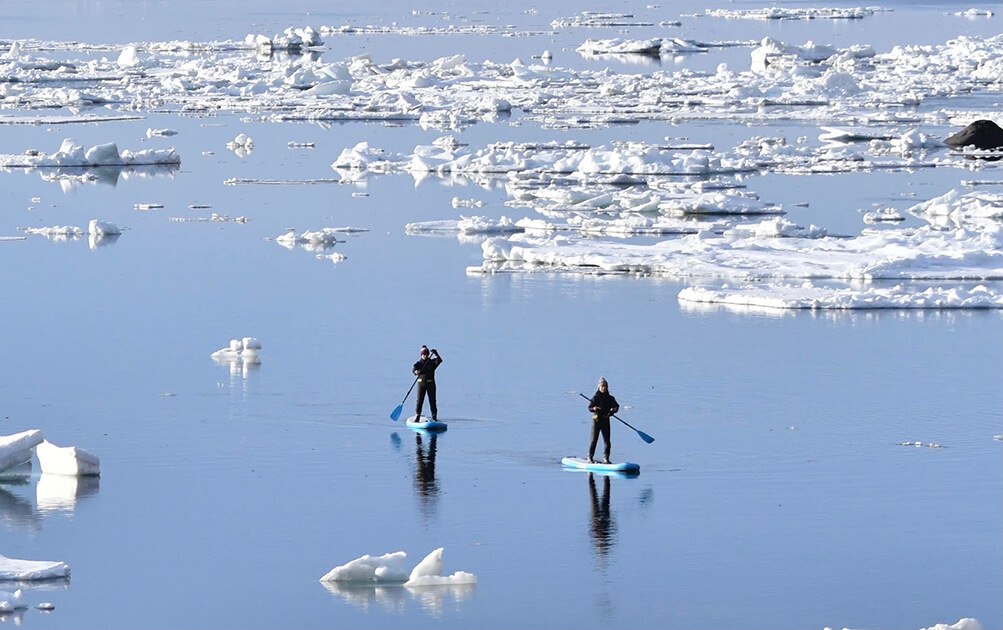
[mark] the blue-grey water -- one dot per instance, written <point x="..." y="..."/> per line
<point x="777" y="493"/>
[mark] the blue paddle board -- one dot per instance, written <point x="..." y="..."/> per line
<point x="426" y="425"/>
<point x="583" y="464"/>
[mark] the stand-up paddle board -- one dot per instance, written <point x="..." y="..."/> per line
<point x="583" y="464"/>
<point x="425" y="425"/>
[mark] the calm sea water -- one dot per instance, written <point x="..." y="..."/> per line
<point x="776" y="494"/>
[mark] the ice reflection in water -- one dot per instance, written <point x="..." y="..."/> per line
<point x="393" y="598"/>
<point x="16" y="511"/>
<point x="60" y="493"/>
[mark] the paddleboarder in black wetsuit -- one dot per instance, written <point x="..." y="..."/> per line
<point x="425" y="371"/>
<point x="602" y="405"/>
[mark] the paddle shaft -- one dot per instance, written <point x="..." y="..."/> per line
<point x="639" y="432"/>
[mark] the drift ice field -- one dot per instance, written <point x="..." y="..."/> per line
<point x="228" y="228"/>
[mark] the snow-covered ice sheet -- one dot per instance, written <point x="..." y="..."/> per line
<point x="16" y="449"/>
<point x="918" y="254"/>
<point x="71" y="154"/>
<point x="810" y="296"/>
<point x="14" y="569"/>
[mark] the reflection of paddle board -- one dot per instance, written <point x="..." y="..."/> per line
<point x="427" y="425"/>
<point x="582" y="463"/>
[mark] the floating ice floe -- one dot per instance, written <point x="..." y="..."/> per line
<point x="973" y="13"/>
<point x="598" y="19"/>
<point x="621" y="47"/>
<point x="99" y="233"/>
<point x="779" y="13"/>
<point x="956" y="210"/>
<point x="242" y="145"/>
<point x="212" y="218"/>
<point x="245" y="349"/>
<point x="967" y="623"/>
<point x="883" y="215"/>
<point x="16" y="449"/>
<point x="647" y="47"/>
<point x="389" y="569"/>
<point x="927" y="445"/>
<point x="71" y="154"/>
<point x="466" y="226"/>
<point x="291" y="39"/>
<point x="810" y="296"/>
<point x="623" y="162"/>
<point x="924" y="253"/>
<point x="67" y="460"/>
<point x="316" y="240"/>
<point x="13" y="569"/>
<point x="160" y="133"/>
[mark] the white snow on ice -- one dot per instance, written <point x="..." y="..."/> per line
<point x="13" y="569"/>
<point x="389" y="569"/>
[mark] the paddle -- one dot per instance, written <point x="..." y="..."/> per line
<point x="396" y="413"/>
<point x="644" y="436"/>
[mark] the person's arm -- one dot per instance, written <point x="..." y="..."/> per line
<point x="438" y="359"/>
<point x="593" y="407"/>
<point x="615" y="406"/>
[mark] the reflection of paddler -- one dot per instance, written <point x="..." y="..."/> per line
<point x="424" y="478"/>
<point x="602" y="527"/>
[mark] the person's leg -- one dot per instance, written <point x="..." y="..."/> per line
<point x="420" y="401"/>
<point x="431" y="400"/>
<point x="606" y="442"/>
<point x="594" y="439"/>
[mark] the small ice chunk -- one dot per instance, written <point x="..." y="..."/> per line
<point x="388" y="568"/>
<point x="102" y="228"/>
<point x="428" y="572"/>
<point x="128" y="57"/>
<point x="67" y="460"/>
<point x="45" y="606"/>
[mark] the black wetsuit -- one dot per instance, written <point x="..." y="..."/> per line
<point x="602" y="405"/>
<point x="426" y="383"/>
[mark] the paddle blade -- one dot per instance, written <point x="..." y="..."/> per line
<point x="396" y="413"/>
<point x="644" y="436"/>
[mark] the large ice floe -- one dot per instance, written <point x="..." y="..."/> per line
<point x="390" y="569"/>
<point x="27" y="570"/>
<point x="72" y="154"/>
<point x="17" y="449"/>
<point x="956" y="263"/>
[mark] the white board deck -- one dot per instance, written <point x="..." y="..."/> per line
<point x="582" y="463"/>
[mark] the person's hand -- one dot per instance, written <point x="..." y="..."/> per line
<point x="435" y="352"/>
